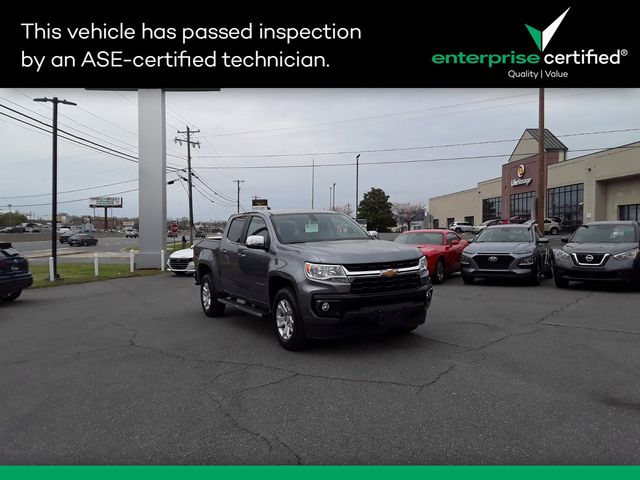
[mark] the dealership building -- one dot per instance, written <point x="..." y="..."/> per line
<point x="604" y="185"/>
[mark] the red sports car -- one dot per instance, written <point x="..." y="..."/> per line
<point x="442" y="248"/>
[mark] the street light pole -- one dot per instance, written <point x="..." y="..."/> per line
<point x="54" y="178"/>
<point x="334" y="196"/>
<point x="357" y="168"/>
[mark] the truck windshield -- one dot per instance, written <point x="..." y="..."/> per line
<point x="316" y="227"/>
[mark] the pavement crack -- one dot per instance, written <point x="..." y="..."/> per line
<point x="293" y="452"/>
<point x="257" y="387"/>
<point x="562" y="308"/>
<point x="498" y="340"/>
<point x="132" y="340"/>
<point x="235" y="422"/>
<point x="437" y="378"/>
<point x="582" y="327"/>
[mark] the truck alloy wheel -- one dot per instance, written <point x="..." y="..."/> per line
<point x="287" y="321"/>
<point x="210" y="305"/>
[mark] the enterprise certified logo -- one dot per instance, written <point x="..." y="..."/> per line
<point x="511" y="58"/>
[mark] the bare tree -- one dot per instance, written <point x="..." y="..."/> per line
<point x="406" y="212"/>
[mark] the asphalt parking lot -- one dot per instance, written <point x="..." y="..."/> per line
<point x="131" y="372"/>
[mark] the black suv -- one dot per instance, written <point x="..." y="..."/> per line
<point x="14" y="273"/>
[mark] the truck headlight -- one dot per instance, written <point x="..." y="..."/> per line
<point x="464" y="260"/>
<point x="422" y="265"/>
<point x="321" y="271"/>
<point x="628" y="255"/>
<point x="561" y="254"/>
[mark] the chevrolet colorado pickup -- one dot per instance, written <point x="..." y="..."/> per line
<point x="315" y="274"/>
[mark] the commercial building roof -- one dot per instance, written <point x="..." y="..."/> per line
<point x="551" y="142"/>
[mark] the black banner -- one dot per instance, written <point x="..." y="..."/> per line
<point x="485" y="44"/>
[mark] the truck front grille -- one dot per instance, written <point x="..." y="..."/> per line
<point x="364" y="285"/>
<point x="368" y="267"/>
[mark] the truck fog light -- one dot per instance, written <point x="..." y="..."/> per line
<point x="325" y="306"/>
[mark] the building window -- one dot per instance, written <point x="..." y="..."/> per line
<point x="566" y="202"/>
<point x="522" y="204"/>
<point x="450" y="220"/>
<point x="629" y="212"/>
<point x="436" y="223"/>
<point x="491" y="208"/>
<point x="469" y="220"/>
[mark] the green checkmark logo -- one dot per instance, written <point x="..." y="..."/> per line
<point x="542" y="38"/>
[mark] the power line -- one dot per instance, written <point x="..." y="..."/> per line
<point x="77" y="200"/>
<point x="75" y="190"/>
<point x="419" y="160"/>
<point x="402" y="149"/>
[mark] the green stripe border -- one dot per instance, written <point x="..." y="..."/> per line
<point x="319" y="472"/>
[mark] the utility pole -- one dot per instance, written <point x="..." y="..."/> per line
<point x="10" y="216"/>
<point x="313" y="175"/>
<point x="238" y="182"/>
<point x="357" y="167"/>
<point x="54" y="179"/>
<point x="330" y="192"/>
<point x="334" y="196"/>
<point x="188" y="131"/>
<point x="542" y="177"/>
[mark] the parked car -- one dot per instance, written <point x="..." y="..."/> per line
<point x="569" y="226"/>
<point x="599" y="251"/>
<point x="460" y="227"/>
<point x="550" y="226"/>
<point x="441" y="248"/>
<point x="180" y="262"/>
<point x="82" y="239"/>
<point x="494" y="221"/>
<point x="315" y="274"/>
<point x="508" y="251"/>
<point x="64" y="237"/>
<point x="14" y="273"/>
<point x="131" y="233"/>
<point x="519" y="218"/>
<point x="200" y="234"/>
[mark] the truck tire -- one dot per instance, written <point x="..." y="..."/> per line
<point x="208" y="298"/>
<point x="287" y="321"/>
<point x="10" y="297"/>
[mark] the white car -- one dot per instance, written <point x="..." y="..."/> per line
<point x="550" y="226"/>
<point x="180" y="262"/>
<point x="460" y="227"/>
<point x="478" y="228"/>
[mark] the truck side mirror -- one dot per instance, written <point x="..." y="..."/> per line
<point x="256" y="241"/>
<point x="373" y="233"/>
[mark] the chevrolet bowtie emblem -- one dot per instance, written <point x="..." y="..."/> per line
<point x="389" y="273"/>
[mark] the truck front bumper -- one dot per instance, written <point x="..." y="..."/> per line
<point x="330" y="315"/>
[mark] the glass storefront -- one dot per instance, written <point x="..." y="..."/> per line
<point x="522" y="203"/>
<point x="629" y="212"/>
<point x="491" y="208"/>
<point x="566" y="202"/>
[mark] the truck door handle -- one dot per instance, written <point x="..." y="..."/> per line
<point x="224" y="250"/>
<point x="242" y="254"/>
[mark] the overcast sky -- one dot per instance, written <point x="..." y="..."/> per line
<point x="258" y="123"/>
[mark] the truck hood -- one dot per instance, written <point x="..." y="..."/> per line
<point x="354" y="251"/>
<point x="500" y="247"/>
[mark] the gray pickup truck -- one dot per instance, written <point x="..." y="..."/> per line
<point x="315" y="274"/>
